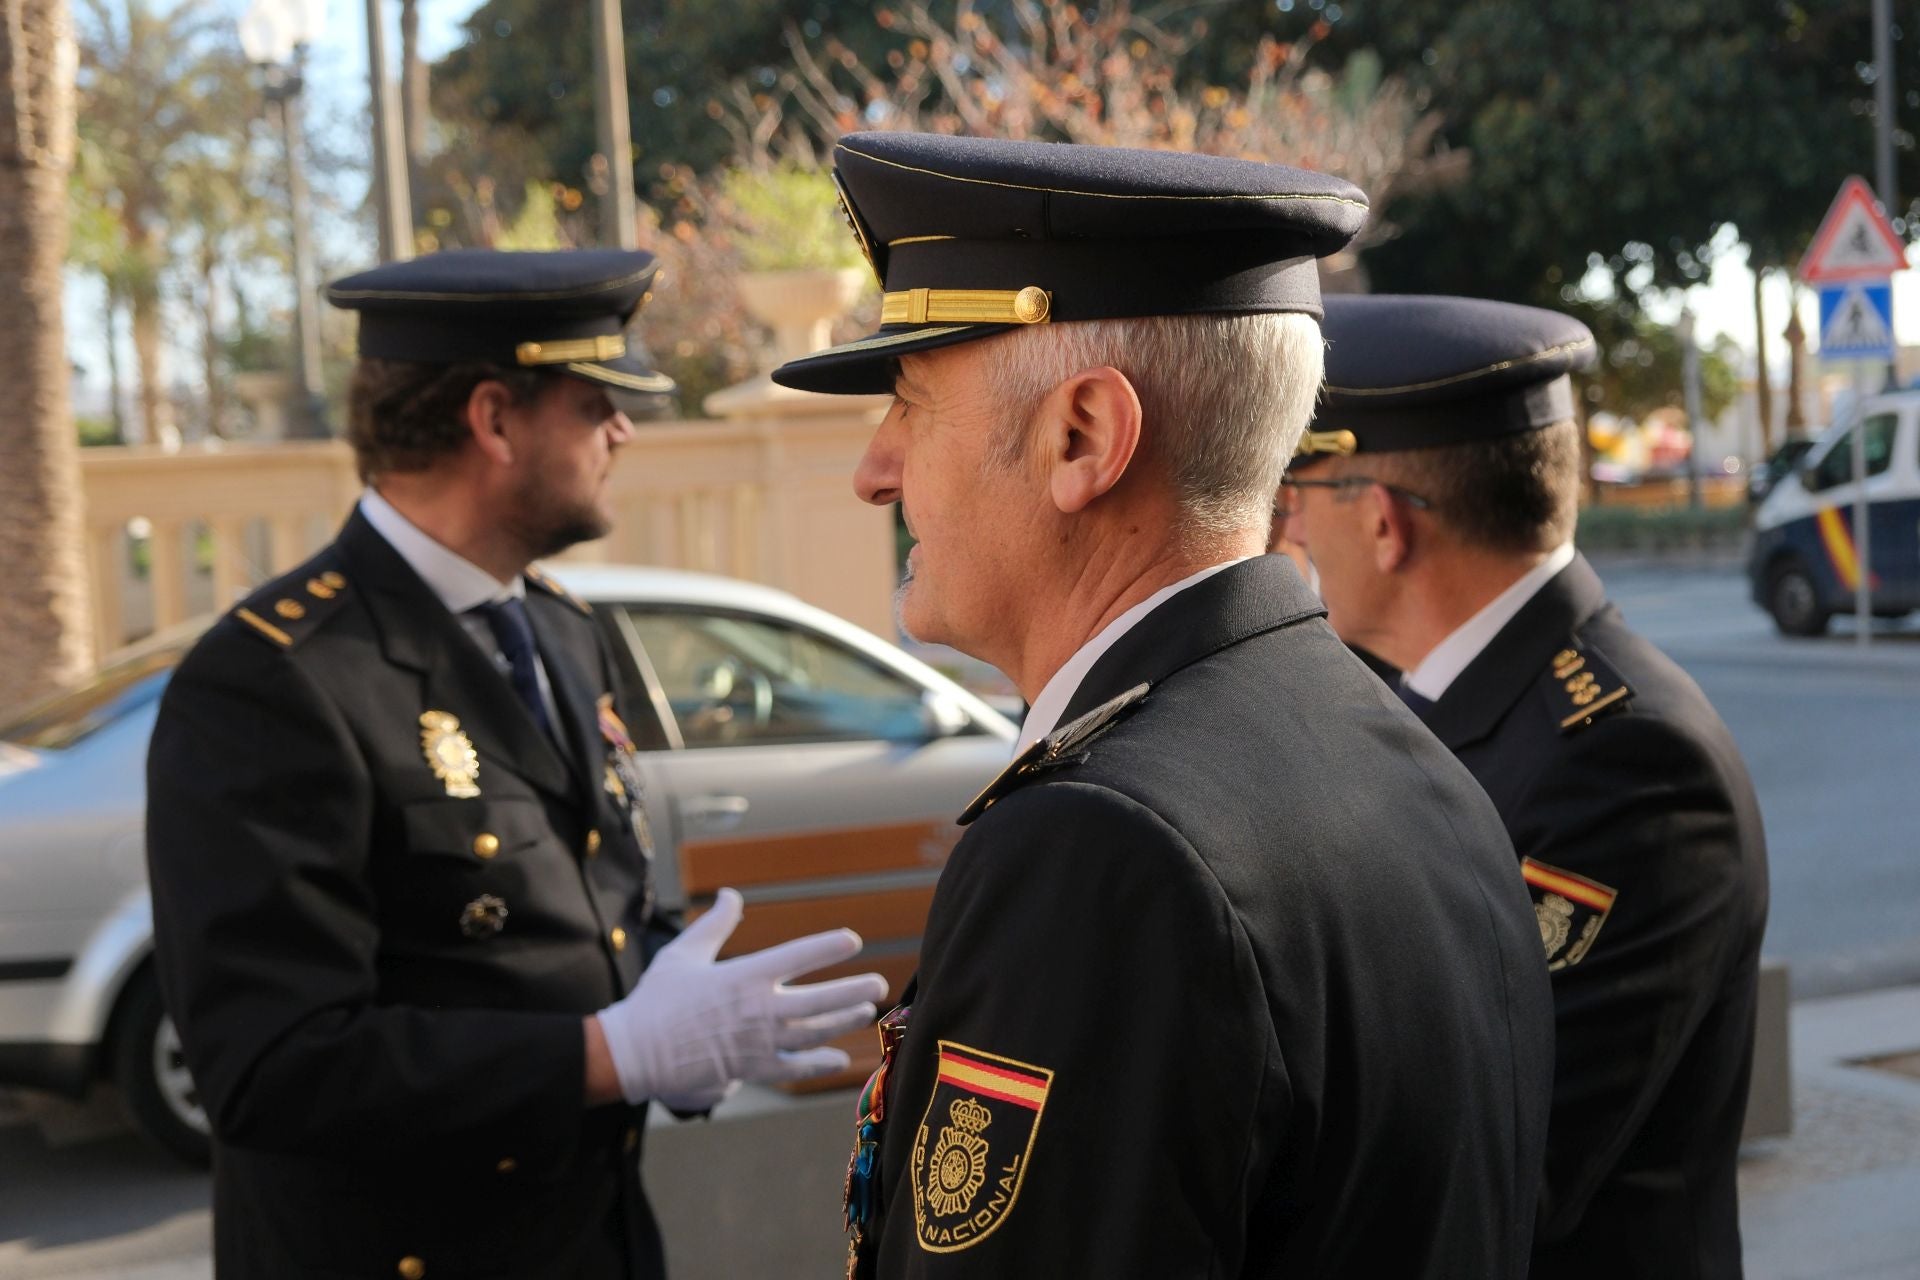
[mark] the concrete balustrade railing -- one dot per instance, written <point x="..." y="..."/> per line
<point x="764" y="494"/>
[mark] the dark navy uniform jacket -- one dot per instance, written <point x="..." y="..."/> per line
<point x="383" y="901"/>
<point x="1644" y="853"/>
<point x="1234" y="978"/>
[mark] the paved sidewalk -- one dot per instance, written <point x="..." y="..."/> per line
<point x="1839" y="1199"/>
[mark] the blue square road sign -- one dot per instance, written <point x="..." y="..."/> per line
<point x="1856" y="320"/>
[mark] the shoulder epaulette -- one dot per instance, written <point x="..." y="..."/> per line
<point x="1064" y="746"/>
<point x="1580" y="686"/>
<point x="288" y="610"/>
<point x="552" y="588"/>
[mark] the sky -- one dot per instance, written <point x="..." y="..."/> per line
<point x="338" y="91"/>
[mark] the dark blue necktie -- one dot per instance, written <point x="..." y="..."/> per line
<point x="513" y="631"/>
<point x="1418" y="702"/>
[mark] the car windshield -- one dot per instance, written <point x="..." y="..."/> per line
<point x="116" y="690"/>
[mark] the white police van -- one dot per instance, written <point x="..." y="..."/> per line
<point x="1805" y="561"/>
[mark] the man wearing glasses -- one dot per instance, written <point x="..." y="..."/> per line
<point x="1437" y="502"/>
<point x="1229" y="975"/>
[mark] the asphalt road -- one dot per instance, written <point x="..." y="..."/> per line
<point x="1831" y="733"/>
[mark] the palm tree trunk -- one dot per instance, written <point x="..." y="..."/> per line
<point x="413" y="100"/>
<point x="216" y="400"/>
<point x="1762" y="384"/>
<point x="144" y="299"/>
<point x="45" y="628"/>
<point x="116" y="385"/>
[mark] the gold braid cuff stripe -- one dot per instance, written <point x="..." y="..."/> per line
<point x="608" y="346"/>
<point x="1031" y="305"/>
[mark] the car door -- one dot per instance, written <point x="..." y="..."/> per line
<point x="1895" y="554"/>
<point x="817" y="779"/>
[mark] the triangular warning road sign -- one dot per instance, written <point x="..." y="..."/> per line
<point x="1855" y="240"/>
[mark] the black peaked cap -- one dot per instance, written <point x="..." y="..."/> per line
<point x="1416" y="372"/>
<point x="565" y="310"/>
<point x="974" y="236"/>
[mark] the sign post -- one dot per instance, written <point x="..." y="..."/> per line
<point x="1852" y="261"/>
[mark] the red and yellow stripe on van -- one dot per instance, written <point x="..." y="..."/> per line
<point x="1837" y="537"/>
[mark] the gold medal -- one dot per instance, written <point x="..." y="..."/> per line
<point x="450" y="753"/>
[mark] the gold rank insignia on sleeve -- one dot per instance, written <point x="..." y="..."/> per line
<point x="975" y="1140"/>
<point x="1061" y="747"/>
<point x="1580" y="686"/>
<point x="1570" y="909"/>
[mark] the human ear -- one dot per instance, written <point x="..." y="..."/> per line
<point x="486" y="420"/>
<point x="1089" y="428"/>
<point x="1392" y="529"/>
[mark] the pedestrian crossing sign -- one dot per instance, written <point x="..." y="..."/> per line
<point x="1856" y="321"/>
<point x="1855" y="240"/>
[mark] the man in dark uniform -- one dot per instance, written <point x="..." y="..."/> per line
<point x="1439" y="510"/>
<point x="1230" y="974"/>
<point x="399" y="854"/>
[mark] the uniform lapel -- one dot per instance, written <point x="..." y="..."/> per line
<point x="1483" y="693"/>
<point x="1251" y="597"/>
<point x="418" y="633"/>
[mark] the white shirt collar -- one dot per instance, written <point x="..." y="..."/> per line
<point x="1451" y="656"/>
<point x="460" y="583"/>
<point x="1044" y="717"/>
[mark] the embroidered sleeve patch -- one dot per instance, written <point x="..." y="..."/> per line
<point x="1570" y="910"/>
<point x="972" y="1149"/>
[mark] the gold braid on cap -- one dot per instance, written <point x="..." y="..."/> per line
<point x="1031" y="305"/>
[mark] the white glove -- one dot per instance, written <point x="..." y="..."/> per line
<point x="693" y="1025"/>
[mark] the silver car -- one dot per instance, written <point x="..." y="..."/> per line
<point x="789" y="753"/>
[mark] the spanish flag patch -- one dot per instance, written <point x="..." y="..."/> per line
<point x="1570" y="909"/>
<point x="975" y="1139"/>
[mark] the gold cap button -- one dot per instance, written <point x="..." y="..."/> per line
<point x="507" y="1165"/>
<point x="486" y="844"/>
<point x="633" y="1139"/>
<point x="411" y="1268"/>
<point x="619" y="937"/>
<point x="593" y="844"/>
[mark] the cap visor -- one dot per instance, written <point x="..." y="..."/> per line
<point x="865" y="366"/>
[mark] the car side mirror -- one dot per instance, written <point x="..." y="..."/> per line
<point x="942" y="715"/>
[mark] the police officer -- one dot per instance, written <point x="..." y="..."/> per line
<point x="1439" y="509"/>
<point x="1230" y="974"/>
<point x="399" y="853"/>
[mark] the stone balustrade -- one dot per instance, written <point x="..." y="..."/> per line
<point x="764" y="494"/>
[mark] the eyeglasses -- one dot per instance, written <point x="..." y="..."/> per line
<point x="1287" y="501"/>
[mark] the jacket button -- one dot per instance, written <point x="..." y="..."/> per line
<point x="411" y="1268"/>
<point x="507" y="1165"/>
<point x="486" y="844"/>
<point x="633" y="1139"/>
<point x="593" y="844"/>
<point x="619" y="937"/>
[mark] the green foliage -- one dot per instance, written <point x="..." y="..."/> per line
<point x="787" y="218"/>
<point x="95" y="431"/>
<point x="1641" y="366"/>
<point x="537" y="226"/>
<point x="1622" y="136"/>
<point x="1660" y="529"/>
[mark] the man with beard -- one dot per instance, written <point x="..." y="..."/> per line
<point x="400" y="860"/>
<point x="1438" y="506"/>
<point x="1230" y="974"/>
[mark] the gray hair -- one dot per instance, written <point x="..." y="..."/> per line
<point x="1224" y="399"/>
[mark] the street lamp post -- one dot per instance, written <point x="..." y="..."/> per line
<point x="1690" y="376"/>
<point x="275" y="35"/>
